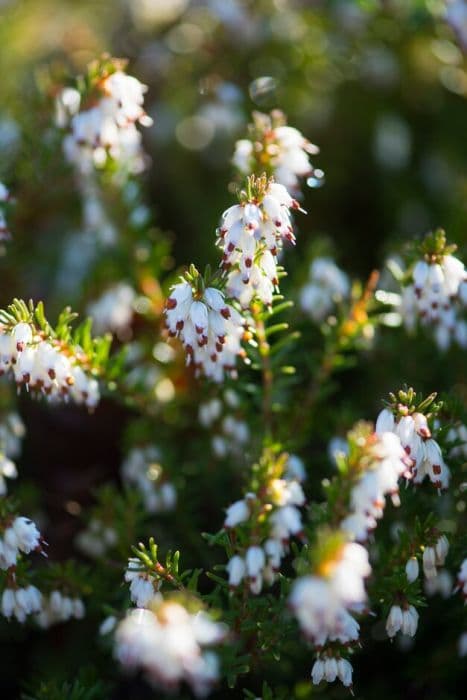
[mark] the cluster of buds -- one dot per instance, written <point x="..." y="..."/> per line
<point x="410" y="423"/>
<point x="210" y="329"/>
<point x="229" y="433"/>
<point x="58" y="607"/>
<point x="44" y="366"/>
<point x="436" y="292"/>
<point x="4" y="198"/>
<point x="327" y="286"/>
<point x="20" y="535"/>
<point x="279" y="150"/>
<point x="168" y="643"/>
<point x="113" y="311"/>
<point x="12" y="431"/>
<point x="20" y="602"/>
<point x="379" y="461"/>
<point x="251" y="236"/>
<point x="402" y="619"/>
<point x="270" y="516"/>
<point x="142" y="469"/>
<point x="101" y="123"/>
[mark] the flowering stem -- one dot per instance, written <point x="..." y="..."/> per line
<point x="264" y="350"/>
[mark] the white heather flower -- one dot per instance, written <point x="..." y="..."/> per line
<point x="462" y="578"/>
<point x="113" y="311"/>
<point x="441" y="584"/>
<point x="169" y="646"/>
<point x="458" y="434"/>
<point x="210" y="329"/>
<point x="287" y="151"/>
<point x="12" y="431"/>
<point x="27" y="534"/>
<point x="456" y="16"/>
<point x="327" y="286"/>
<point x="317" y="672"/>
<point x="441" y="550"/>
<point x="286" y="521"/>
<point x="141" y="468"/>
<point x="412" y="569"/>
<point x="394" y="621"/>
<point x="236" y="569"/>
<point x="429" y="562"/>
<point x="462" y="645"/>
<point x="4" y="197"/>
<point x="295" y="468"/>
<point x="210" y="412"/>
<point x="107" y="625"/>
<point x="384" y="422"/>
<point x="96" y="539"/>
<point x="251" y="235"/>
<point x="142" y="585"/>
<point x="330" y="669"/>
<point x="255" y="561"/>
<point x="409" y="621"/>
<point x="337" y="447"/>
<point x="344" y="672"/>
<point x="237" y="513"/>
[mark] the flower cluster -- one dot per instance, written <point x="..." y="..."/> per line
<point x="11" y="433"/>
<point x="102" y="124"/>
<point x="251" y="236"/>
<point x="58" y="607"/>
<point x="230" y="433"/>
<point x="96" y="539"/>
<point x="277" y="149"/>
<point x="168" y="643"/>
<point x="327" y="286"/>
<point x="385" y="461"/>
<point x="21" y="602"/>
<point x="270" y="517"/>
<point x="436" y="293"/>
<point x="44" y="366"/>
<point x="434" y="556"/>
<point x="4" y="197"/>
<point x="423" y="452"/>
<point x="210" y="328"/>
<point x="21" y="535"/>
<point x="403" y="620"/>
<point x="324" y="600"/>
<point x="142" y="469"/>
<point x="113" y="311"/>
